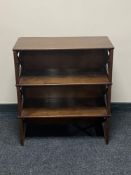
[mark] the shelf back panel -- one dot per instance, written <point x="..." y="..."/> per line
<point x="38" y="62"/>
<point x="64" y="102"/>
<point x="64" y="92"/>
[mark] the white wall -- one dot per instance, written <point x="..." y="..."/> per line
<point x="66" y="18"/>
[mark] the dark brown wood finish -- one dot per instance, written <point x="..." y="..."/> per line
<point x="106" y="123"/>
<point x="60" y="43"/>
<point x="110" y="78"/>
<point x="63" y="78"/>
<point x="106" y="130"/>
<point x="64" y="112"/>
<point x="19" y="97"/>
<point x="22" y="131"/>
<point x="94" y="79"/>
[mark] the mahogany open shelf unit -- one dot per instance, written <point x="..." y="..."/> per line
<point x="63" y="77"/>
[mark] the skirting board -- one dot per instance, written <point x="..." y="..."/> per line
<point x="11" y="109"/>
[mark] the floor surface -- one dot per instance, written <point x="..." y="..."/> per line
<point x="71" y="153"/>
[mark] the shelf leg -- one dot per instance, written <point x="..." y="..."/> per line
<point x="22" y="131"/>
<point x="106" y="130"/>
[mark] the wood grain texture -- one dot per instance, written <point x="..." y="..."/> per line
<point x="62" y="43"/>
<point x="64" y="112"/>
<point x="64" y="80"/>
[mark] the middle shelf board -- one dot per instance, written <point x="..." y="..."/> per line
<point x="73" y="112"/>
<point x="94" y="79"/>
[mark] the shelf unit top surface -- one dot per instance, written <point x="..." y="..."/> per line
<point x="64" y="112"/>
<point x="62" y="43"/>
<point x="64" y="80"/>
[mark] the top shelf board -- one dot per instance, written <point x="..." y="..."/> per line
<point x="62" y="43"/>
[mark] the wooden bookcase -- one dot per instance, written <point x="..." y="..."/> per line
<point x="63" y="77"/>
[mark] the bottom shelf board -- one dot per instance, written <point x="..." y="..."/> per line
<point x="44" y="112"/>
